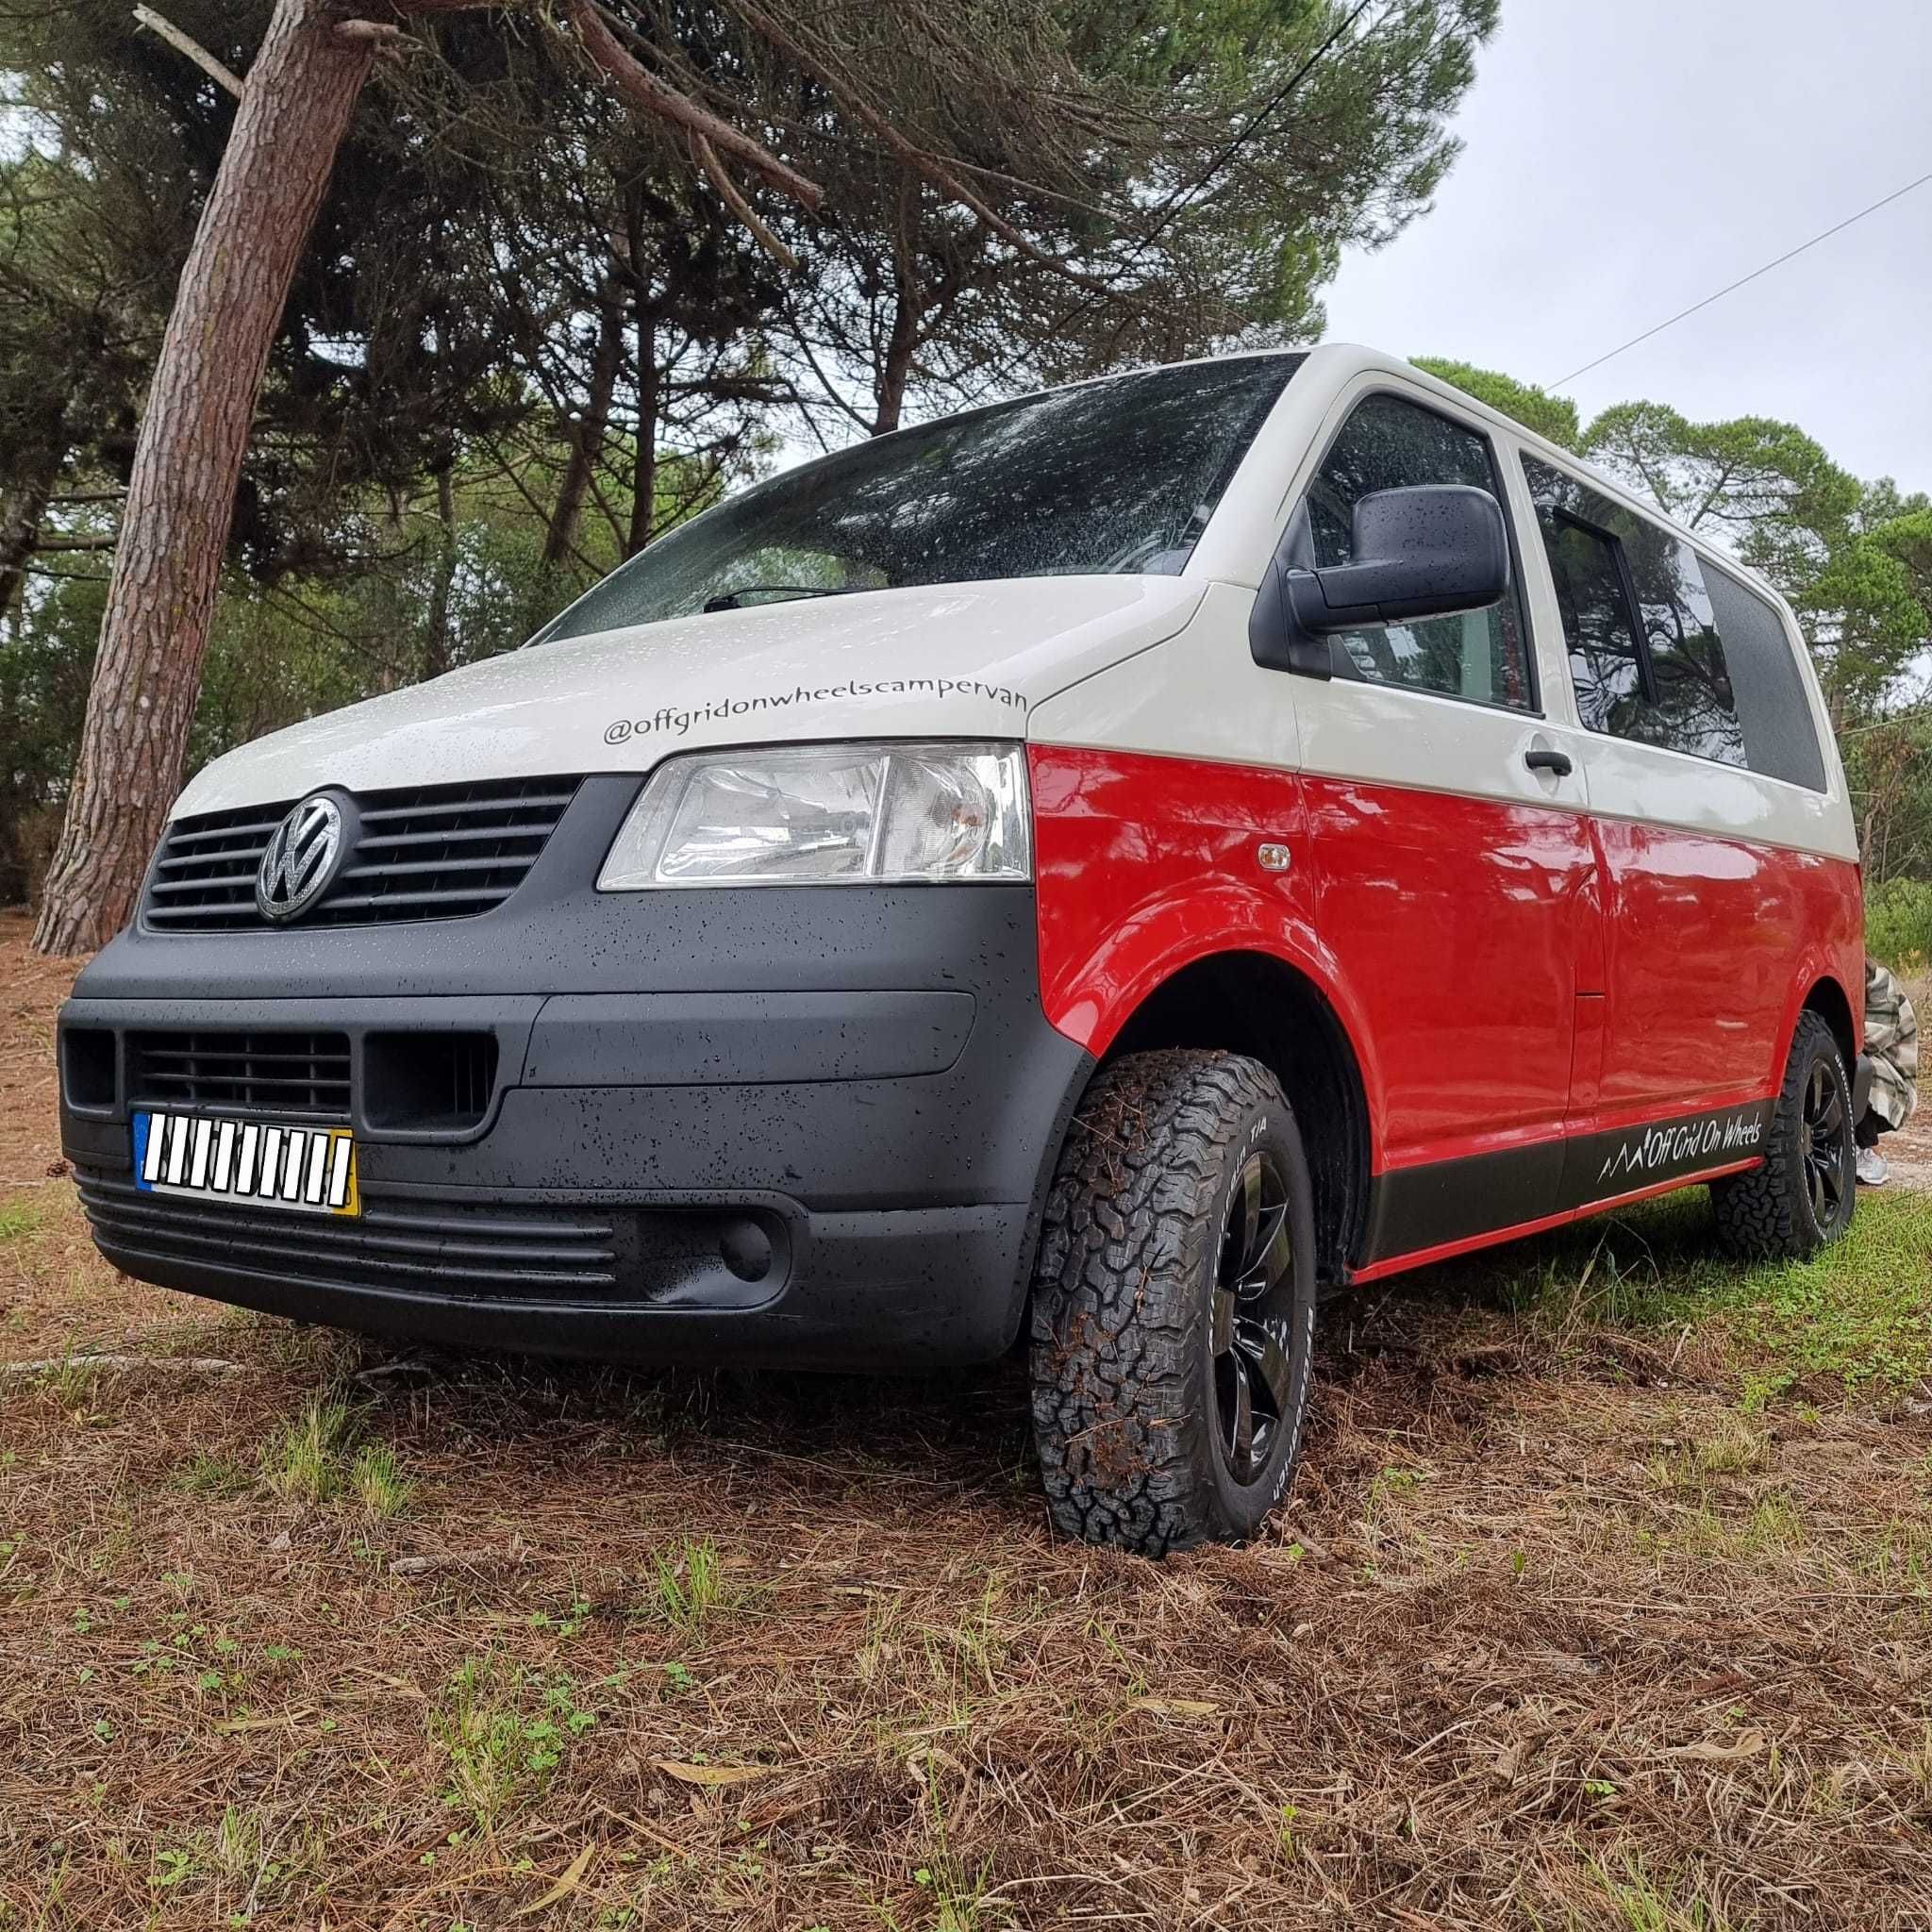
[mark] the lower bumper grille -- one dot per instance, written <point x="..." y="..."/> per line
<point x="432" y="1247"/>
<point x="304" y="1074"/>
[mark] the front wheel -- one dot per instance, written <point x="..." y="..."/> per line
<point x="1802" y="1197"/>
<point x="1174" y="1304"/>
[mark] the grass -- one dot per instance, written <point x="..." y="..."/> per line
<point x="376" y="1479"/>
<point x="317" y="1458"/>
<point x="206" y="1473"/>
<point x="1859" y="1313"/>
<point x="802" y="1652"/>
<point x="1636" y="1901"/>
<point x="19" y="1218"/>
<point x="687" y="1586"/>
<point x="307" y="1460"/>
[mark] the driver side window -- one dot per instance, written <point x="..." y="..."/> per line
<point x="1387" y="443"/>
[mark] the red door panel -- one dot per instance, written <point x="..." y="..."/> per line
<point x="1705" y="938"/>
<point x="1460" y="922"/>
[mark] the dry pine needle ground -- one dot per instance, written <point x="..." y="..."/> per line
<point x="1602" y="1600"/>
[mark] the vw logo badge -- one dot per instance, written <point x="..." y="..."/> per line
<point x="302" y="857"/>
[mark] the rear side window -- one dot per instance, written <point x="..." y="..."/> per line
<point x="1779" y="733"/>
<point x="1694" y="708"/>
<point x="1646" y="653"/>
<point x="1387" y="443"/>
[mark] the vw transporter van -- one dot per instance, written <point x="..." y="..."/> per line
<point x="1112" y="866"/>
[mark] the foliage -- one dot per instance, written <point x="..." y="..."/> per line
<point x="1551" y="417"/>
<point x="529" y="332"/>
<point x="1898" y="923"/>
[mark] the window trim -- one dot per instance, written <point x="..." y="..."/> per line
<point x="1296" y="527"/>
<point x="1625" y="597"/>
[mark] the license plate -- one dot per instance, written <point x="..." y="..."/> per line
<point x="311" y="1170"/>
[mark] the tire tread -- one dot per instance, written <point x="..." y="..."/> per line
<point x="1766" y="1214"/>
<point x="1121" y="1246"/>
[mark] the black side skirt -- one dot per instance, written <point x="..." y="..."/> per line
<point x="1416" y="1209"/>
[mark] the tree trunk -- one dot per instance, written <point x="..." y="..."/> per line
<point x="643" y="502"/>
<point x="20" y="533"/>
<point x="888" y="391"/>
<point x="36" y="470"/>
<point x="436" y="645"/>
<point x="908" y="300"/>
<point x="294" y="111"/>
<point x="586" y="438"/>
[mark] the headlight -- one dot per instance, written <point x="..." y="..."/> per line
<point x="827" y="814"/>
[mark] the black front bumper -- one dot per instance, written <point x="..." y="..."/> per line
<point x="809" y="1126"/>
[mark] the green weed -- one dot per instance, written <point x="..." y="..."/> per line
<point x="503" y="1732"/>
<point x="305" y="1461"/>
<point x="378" y="1480"/>
<point x="689" y="1585"/>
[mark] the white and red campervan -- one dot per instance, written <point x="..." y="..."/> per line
<point x="1116" y="864"/>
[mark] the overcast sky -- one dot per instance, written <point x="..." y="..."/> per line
<point x="1623" y="160"/>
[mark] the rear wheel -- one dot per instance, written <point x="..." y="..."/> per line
<point x="1803" y="1196"/>
<point x="1174" y="1304"/>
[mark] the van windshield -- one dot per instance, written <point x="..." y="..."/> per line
<point x="1112" y="477"/>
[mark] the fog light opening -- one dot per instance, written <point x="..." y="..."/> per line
<point x="746" y="1249"/>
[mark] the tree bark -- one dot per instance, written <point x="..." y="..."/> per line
<point x="435" y="644"/>
<point x="894" y="367"/>
<point x="295" y="108"/>
<point x="587" y="436"/>
<point x="20" y="533"/>
<point x="643" y="503"/>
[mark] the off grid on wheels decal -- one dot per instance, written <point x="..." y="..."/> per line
<point x="1440" y="1202"/>
<point x="675" y="721"/>
<point x="1648" y="1154"/>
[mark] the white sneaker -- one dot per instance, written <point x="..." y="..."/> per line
<point x="1873" y="1172"/>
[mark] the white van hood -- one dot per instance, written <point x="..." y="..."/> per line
<point x="960" y="661"/>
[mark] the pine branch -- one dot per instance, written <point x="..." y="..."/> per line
<point x="165" y="29"/>
<point x="728" y="192"/>
<point x="665" y="103"/>
<point x="923" y="161"/>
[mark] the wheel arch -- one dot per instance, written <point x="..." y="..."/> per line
<point x="1257" y="1004"/>
<point x="1832" y="1004"/>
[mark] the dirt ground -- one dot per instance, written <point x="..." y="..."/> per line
<point x="1602" y="1600"/>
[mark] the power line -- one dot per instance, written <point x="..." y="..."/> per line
<point x="1178" y="200"/>
<point x="1268" y="109"/>
<point x="1789" y="255"/>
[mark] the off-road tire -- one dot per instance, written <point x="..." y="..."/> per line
<point x="1768" y="1213"/>
<point x="1124" y="1333"/>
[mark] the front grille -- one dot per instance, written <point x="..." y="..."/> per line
<point x="273" y="1073"/>
<point x="432" y="851"/>
<point x="402" y="1246"/>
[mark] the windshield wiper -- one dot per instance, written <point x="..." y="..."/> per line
<point x="772" y="594"/>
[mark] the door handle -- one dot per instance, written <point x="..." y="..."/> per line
<point x="1555" y="762"/>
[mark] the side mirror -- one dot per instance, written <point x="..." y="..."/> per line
<point x="1432" y="549"/>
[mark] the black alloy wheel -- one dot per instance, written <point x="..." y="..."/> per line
<point x="1254" y="1309"/>
<point x="1827" y="1128"/>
